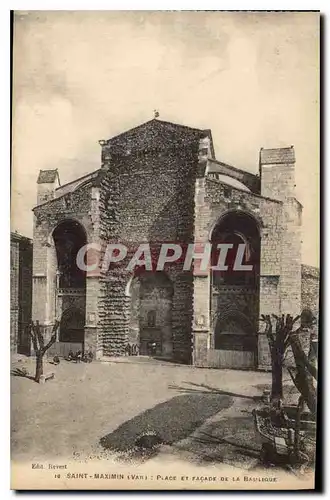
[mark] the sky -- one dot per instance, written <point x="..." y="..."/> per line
<point x="78" y="77"/>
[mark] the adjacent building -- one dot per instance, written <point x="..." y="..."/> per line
<point x="20" y="292"/>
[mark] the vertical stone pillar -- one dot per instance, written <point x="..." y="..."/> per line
<point x="39" y="274"/>
<point x="44" y="258"/>
<point x="91" y="333"/>
<point x="92" y="339"/>
<point x="201" y="290"/>
<point x="201" y="320"/>
<point x="280" y="283"/>
<point x="291" y="258"/>
<point x="51" y="300"/>
<point x="44" y="279"/>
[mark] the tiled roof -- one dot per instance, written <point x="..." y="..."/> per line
<point x="277" y="155"/>
<point x="47" y="176"/>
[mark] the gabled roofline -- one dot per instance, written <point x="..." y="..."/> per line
<point x="156" y="120"/>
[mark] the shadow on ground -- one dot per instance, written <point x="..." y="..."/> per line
<point x="231" y="441"/>
<point x="170" y="421"/>
<point x="206" y="389"/>
<point x="21" y="372"/>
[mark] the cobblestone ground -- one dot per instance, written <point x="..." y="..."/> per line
<point x="101" y="409"/>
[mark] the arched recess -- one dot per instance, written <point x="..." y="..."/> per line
<point x="235" y="293"/>
<point x="67" y="238"/>
<point x="233" y="329"/>
<point x="150" y="326"/>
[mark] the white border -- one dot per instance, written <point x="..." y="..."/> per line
<point x="323" y="6"/>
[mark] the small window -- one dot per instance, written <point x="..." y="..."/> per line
<point x="151" y="318"/>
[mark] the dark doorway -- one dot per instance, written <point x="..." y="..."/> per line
<point x="151" y="314"/>
<point x="72" y="325"/>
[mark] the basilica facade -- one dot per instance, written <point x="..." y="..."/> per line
<point x="161" y="183"/>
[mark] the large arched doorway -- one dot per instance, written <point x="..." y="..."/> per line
<point x="151" y="314"/>
<point x="69" y="236"/>
<point x="235" y="292"/>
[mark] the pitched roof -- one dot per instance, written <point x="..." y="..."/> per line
<point x="277" y="155"/>
<point x="155" y="122"/>
<point x="47" y="176"/>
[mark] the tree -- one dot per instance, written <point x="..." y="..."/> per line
<point x="304" y="377"/>
<point x="278" y="343"/>
<point x="303" y="374"/>
<point x="39" y="346"/>
<point x="279" y="340"/>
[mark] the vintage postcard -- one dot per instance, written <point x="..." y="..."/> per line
<point x="164" y="250"/>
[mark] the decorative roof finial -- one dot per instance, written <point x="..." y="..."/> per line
<point x="156" y="113"/>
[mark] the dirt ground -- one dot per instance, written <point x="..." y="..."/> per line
<point x="88" y="410"/>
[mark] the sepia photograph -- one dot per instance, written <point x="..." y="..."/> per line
<point x="164" y="250"/>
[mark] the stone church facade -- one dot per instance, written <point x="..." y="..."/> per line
<point x="160" y="182"/>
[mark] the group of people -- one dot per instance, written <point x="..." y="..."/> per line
<point x="85" y="357"/>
